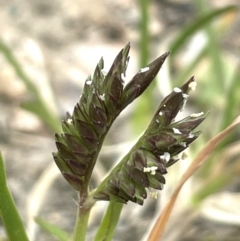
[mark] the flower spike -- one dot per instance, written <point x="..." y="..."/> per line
<point x="102" y="100"/>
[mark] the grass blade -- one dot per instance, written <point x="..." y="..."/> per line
<point x="232" y="104"/>
<point x="9" y="213"/>
<point x="38" y="106"/>
<point x="54" y="230"/>
<point x="17" y="67"/>
<point x="144" y="32"/>
<point x="199" y="23"/>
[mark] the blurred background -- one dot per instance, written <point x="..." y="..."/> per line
<point x="47" y="50"/>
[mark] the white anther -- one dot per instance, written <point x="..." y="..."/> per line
<point x="144" y="69"/>
<point x="176" y="131"/>
<point x="192" y="86"/>
<point x="104" y="72"/>
<point x="153" y="194"/>
<point x="69" y="120"/>
<point x="152" y="169"/>
<point x="165" y="157"/>
<point x="196" y="114"/>
<point x="102" y="97"/>
<point x="88" y="82"/>
<point x="177" y="90"/>
<point x="190" y="135"/>
<point x="123" y="77"/>
<point x="184" y="144"/>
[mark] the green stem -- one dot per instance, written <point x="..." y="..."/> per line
<point x="81" y="224"/>
<point x="107" y="227"/>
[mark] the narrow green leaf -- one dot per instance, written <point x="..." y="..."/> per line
<point x="52" y="229"/>
<point x="9" y="213"/>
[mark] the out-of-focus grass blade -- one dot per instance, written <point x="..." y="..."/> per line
<point x="138" y="119"/>
<point x="212" y="186"/>
<point x="232" y="103"/>
<point x="54" y="230"/>
<point x="38" y="107"/>
<point x="227" y="159"/>
<point x="185" y="73"/>
<point x="144" y="33"/>
<point x="17" y="67"/>
<point x="9" y="213"/>
<point x="199" y="23"/>
<point x="161" y="222"/>
<point x="214" y="49"/>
